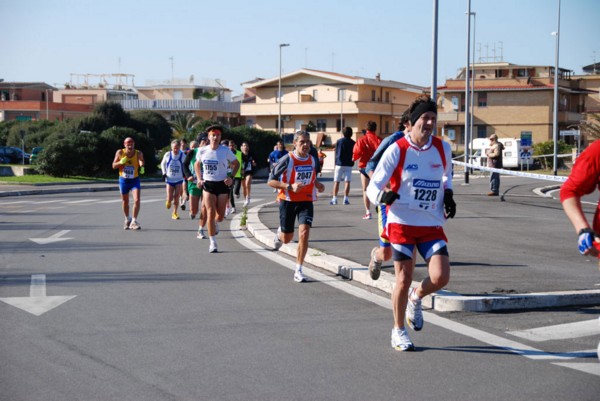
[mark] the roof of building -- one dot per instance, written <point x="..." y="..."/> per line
<point x="352" y="80"/>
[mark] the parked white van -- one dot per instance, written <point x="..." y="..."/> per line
<point x="511" y="155"/>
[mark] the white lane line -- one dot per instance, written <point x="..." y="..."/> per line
<point x="82" y="201"/>
<point x="50" y="201"/>
<point x="592" y="368"/>
<point x="560" y="331"/>
<point x="111" y="201"/>
<point x="459" y="328"/>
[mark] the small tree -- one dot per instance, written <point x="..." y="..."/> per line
<point x="184" y="123"/>
<point x="547" y="148"/>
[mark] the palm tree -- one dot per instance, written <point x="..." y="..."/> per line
<point x="183" y="123"/>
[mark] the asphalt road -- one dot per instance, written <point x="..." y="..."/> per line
<point x="156" y="317"/>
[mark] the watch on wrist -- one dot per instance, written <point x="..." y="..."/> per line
<point x="289" y="187"/>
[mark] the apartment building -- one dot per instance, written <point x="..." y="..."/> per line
<point x="209" y="100"/>
<point x="30" y="101"/>
<point x="514" y="101"/>
<point x="326" y="102"/>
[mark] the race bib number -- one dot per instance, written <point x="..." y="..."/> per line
<point x="425" y="194"/>
<point x="210" y="167"/>
<point x="304" y="174"/>
<point x="128" y="172"/>
<point x="174" y="170"/>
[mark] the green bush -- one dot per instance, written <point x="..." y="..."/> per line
<point x="547" y="148"/>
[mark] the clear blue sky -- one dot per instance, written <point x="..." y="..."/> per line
<point x="237" y="41"/>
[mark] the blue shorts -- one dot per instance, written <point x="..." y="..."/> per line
<point x="174" y="184"/>
<point x="288" y="211"/>
<point x="129" y="184"/>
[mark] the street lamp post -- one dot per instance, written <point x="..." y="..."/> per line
<point x="282" y="45"/>
<point x="467" y="92"/>
<point x="342" y="95"/>
<point x="474" y="14"/>
<point x="555" y="128"/>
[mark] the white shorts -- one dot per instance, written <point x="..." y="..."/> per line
<point x="342" y="173"/>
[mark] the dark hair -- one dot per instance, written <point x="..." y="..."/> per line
<point x="214" y="127"/>
<point x="404" y="118"/>
<point x="347" y="132"/>
<point x="371" y="126"/>
<point x="421" y="105"/>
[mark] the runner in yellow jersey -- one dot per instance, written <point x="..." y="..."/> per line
<point x="130" y="163"/>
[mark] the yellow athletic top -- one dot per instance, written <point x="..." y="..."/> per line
<point x="130" y="169"/>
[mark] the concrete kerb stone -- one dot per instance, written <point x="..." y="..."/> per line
<point x="441" y="301"/>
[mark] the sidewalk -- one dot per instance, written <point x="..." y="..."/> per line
<point x="339" y="230"/>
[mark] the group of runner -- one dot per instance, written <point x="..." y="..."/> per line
<point x="410" y="180"/>
<point x="203" y="174"/>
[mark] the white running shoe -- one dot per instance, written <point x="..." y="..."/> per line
<point x="135" y="225"/>
<point x="127" y="224"/>
<point x="277" y="241"/>
<point x="299" y="277"/>
<point x="213" y="247"/>
<point x="232" y="210"/>
<point x="333" y="201"/>
<point x="227" y="212"/>
<point x="401" y="340"/>
<point x="201" y="233"/>
<point x="246" y="202"/>
<point x="414" y="312"/>
<point x="374" y="265"/>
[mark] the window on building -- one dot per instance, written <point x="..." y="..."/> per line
<point x="522" y="72"/>
<point x="387" y="126"/>
<point x="315" y="95"/>
<point x="321" y="125"/>
<point x="339" y="126"/>
<point x="387" y="97"/>
<point x="481" y="131"/>
<point x="455" y="101"/>
<point x="373" y="95"/>
<point x="482" y="99"/>
<point x="277" y="123"/>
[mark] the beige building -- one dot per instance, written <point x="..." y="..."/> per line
<point x="327" y="102"/>
<point x="514" y="100"/>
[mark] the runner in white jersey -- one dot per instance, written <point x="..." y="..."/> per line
<point x="213" y="179"/>
<point x="418" y="170"/>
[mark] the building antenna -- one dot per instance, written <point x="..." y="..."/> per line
<point x="172" y="70"/>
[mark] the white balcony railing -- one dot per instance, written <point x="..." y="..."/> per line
<point x="181" y="105"/>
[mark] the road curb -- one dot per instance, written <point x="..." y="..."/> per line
<point x="442" y="301"/>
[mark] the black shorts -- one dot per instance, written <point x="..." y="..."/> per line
<point x="215" y="187"/>
<point x="288" y="211"/>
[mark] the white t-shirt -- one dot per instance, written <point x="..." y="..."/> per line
<point x="215" y="162"/>
<point x="420" y="182"/>
<point x="172" y="166"/>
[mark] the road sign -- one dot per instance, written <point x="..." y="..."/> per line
<point x="525" y="154"/>
<point x="526" y="139"/>
<point x="570" y="132"/>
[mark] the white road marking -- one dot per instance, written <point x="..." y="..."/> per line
<point x="81" y="201"/>
<point x="431" y="318"/>
<point x="53" y="238"/>
<point x="560" y="331"/>
<point x="37" y="303"/>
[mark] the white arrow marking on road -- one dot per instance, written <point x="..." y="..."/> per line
<point x="53" y="238"/>
<point x="37" y="303"/>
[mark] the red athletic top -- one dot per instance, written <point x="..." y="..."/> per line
<point x="585" y="178"/>
<point x="365" y="147"/>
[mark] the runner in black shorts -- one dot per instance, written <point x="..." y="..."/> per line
<point x="295" y="175"/>
<point x="213" y="179"/>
